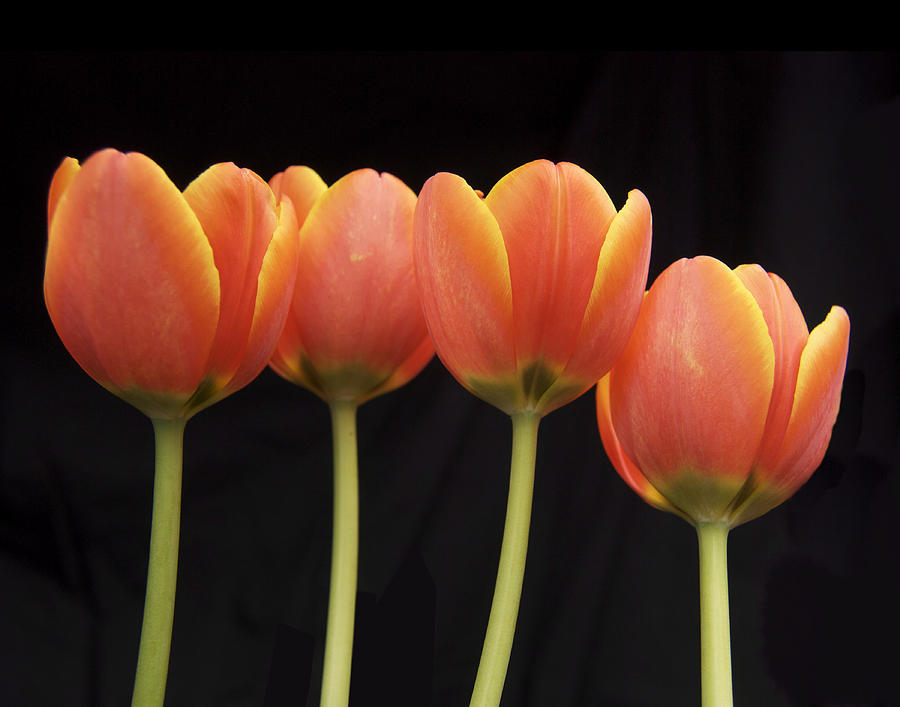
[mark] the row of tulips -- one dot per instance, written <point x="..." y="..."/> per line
<point x="714" y="401"/>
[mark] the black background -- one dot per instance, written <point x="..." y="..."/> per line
<point x="785" y="159"/>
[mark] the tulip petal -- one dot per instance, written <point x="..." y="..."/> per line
<point x="617" y="292"/>
<point x="302" y="185"/>
<point x="814" y="412"/>
<point x="130" y="281"/>
<point x="787" y="329"/>
<point x="62" y="178"/>
<point x="273" y="298"/>
<point x="554" y="220"/>
<point x="286" y="359"/>
<point x="816" y="402"/>
<point x="689" y="395"/>
<point x="627" y="469"/>
<point x="464" y="282"/>
<point x="237" y="211"/>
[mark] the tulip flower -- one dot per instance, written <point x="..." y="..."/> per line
<point x="719" y="409"/>
<point x="355" y="331"/>
<point x="530" y="295"/>
<point x="172" y="301"/>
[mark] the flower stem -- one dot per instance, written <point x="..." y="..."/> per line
<point x="344" y="554"/>
<point x="715" y="633"/>
<point x="501" y="627"/>
<point x="162" y="569"/>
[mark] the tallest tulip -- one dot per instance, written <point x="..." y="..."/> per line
<point x="171" y="300"/>
<point x="529" y="294"/>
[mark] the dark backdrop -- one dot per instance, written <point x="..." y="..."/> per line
<point x="789" y="160"/>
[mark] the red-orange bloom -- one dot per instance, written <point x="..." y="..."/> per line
<point x="355" y="328"/>
<point x="722" y="404"/>
<point x="530" y="293"/>
<point x="170" y="300"/>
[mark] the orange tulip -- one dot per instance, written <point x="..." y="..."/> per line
<point x="355" y="331"/>
<point x="170" y="300"/>
<point x="530" y="293"/>
<point x="355" y="328"/>
<point x="722" y="404"/>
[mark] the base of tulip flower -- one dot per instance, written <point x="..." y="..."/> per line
<point x="162" y="570"/>
<point x="536" y="386"/>
<point x="344" y="558"/>
<point x="340" y="382"/>
<point x="715" y="629"/>
<point x="501" y="627"/>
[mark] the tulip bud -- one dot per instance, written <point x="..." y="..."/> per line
<point x="170" y="300"/>
<point x="530" y="293"/>
<point x="355" y="328"/>
<point x="722" y="404"/>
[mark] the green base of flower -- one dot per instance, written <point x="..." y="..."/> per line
<point x="538" y="387"/>
<point x="344" y="381"/>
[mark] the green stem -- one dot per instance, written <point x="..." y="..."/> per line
<point x="715" y="633"/>
<point x="501" y="627"/>
<point x="162" y="569"/>
<point x="344" y="554"/>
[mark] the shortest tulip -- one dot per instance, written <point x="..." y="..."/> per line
<point x="719" y="409"/>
